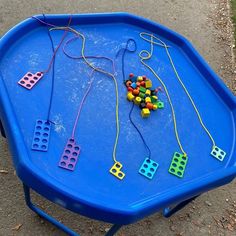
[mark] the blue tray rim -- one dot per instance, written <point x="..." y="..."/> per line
<point x="26" y="169"/>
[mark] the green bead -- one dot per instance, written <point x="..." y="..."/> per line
<point x="142" y="95"/>
<point x="142" y="89"/>
<point x="160" y="104"/>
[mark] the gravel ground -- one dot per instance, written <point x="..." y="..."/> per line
<point x="207" y="24"/>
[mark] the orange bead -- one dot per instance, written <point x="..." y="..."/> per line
<point x="136" y="92"/>
<point x="138" y="84"/>
<point x="149" y="106"/>
<point x="128" y="83"/>
<point x="130" y="89"/>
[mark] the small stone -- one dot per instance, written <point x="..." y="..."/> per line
<point x="3" y="172"/>
<point x="107" y="229"/>
<point x="208" y="203"/>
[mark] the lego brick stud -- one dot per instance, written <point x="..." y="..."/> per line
<point x="70" y="155"/>
<point x="116" y="170"/>
<point x="218" y="153"/>
<point x="178" y="164"/>
<point x="148" y="168"/>
<point x="41" y="135"/>
<point x="29" y="80"/>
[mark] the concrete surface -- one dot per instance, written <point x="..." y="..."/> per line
<point x="206" y="23"/>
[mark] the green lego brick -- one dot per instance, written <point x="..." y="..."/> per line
<point x="218" y="153"/>
<point x="178" y="164"/>
<point x="142" y="89"/>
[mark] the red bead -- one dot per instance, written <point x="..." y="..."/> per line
<point x="130" y="89"/>
<point x="144" y="77"/>
<point x="142" y="84"/>
<point x="138" y="84"/>
<point x="131" y="75"/>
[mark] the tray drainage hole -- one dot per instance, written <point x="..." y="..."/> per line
<point x="31" y="81"/>
<point x="37" y="133"/>
<point x="35" y="78"/>
<point x="177" y="154"/>
<point x="184" y="158"/>
<point x="76" y="148"/>
<point x="181" y="168"/>
<point x="63" y="163"/>
<point x="142" y="170"/>
<point x="46" y="129"/>
<point x="149" y="174"/>
<point x="36" y="139"/>
<point x="120" y="174"/>
<point x="151" y="169"/>
<point x="47" y="123"/>
<point x="217" y="149"/>
<point x="43" y="146"/>
<point x="38" y="74"/>
<point x="29" y="74"/>
<point x="179" y="173"/>
<point x="176" y="160"/>
<point x="214" y="153"/>
<point x="148" y="161"/>
<point x="39" y="122"/>
<point x="182" y="163"/>
<point x="35" y="145"/>
<point x="174" y="165"/>
<point x="67" y="151"/>
<point x="74" y="154"/>
<point x="71" y="140"/>
<point x="38" y="127"/>
<point x="22" y="81"/>
<point x="26" y="78"/>
<point x="222" y="153"/>
<point x="28" y="85"/>
<point x="172" y="170"/>
<point x="154" y="164"/>
<point x="44" y="140"/>
<point x="72" y="159"/>
<point x="145" y="166"/>
<point x="70" y="166"/>
<point x="69" y="146"/>
<point x="65" y="157"/>
<point x="45" y="135"/>
<point x="220" y="157"/>
<point x="113" y="170"/>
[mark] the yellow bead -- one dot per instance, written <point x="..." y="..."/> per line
<point x="145" y="112"/>
<point x="137" y="100"/>
<point x="148" y="83"/>
<point x="140" y="78"/>
<point x="130" y="96"/>
<point x="155" y="107"/>
<point x="148" y="92"/>
<point x="147" y="99"/>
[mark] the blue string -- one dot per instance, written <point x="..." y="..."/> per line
<point x="53" y="75"/>
<point x="140" y="134"/>
<point x="126" y="49"/>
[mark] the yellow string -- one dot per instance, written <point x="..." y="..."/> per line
<point x="180" y="81"/>
<point x="103" y="72"/>
<point x="147" y="57"/>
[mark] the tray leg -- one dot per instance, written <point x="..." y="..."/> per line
<point x="2" y="130"/>
<point x="44" y="214"/>
<point x="113" y="230"/>
<point x="167" y="212"/>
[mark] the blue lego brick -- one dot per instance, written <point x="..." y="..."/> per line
<point x="41" y="135"/>
<point x="148" y="168"/>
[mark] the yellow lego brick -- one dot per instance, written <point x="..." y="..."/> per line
<point x="137" y="100"/>
<point x="116" y="170"/>
<point x="145" y="112"/>
<point x="147" y="99"/>
<point x="140" y="78"/>
<point x="130" y="96"/>
<point x="148" y="92"/>
<point x="148" y="83"/>
<point x="155" y="107"/>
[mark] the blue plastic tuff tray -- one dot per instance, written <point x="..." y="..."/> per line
<point x="91" y="190"/>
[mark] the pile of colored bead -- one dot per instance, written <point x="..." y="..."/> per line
<point x="139" y="91"/>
